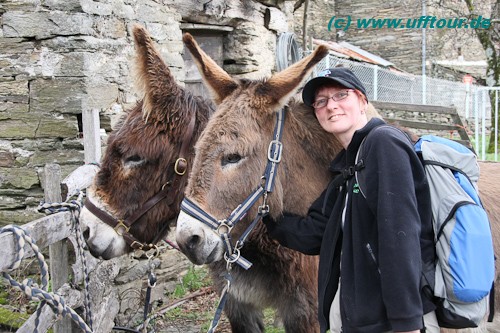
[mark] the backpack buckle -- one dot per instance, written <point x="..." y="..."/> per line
<point x="350" y="171"/>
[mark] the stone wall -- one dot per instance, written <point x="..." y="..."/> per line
<point x="61" y="57"/>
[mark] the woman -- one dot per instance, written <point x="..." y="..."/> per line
<point x="380" y="237"/>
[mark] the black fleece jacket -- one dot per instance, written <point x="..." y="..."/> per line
<point x="384" y="238"/>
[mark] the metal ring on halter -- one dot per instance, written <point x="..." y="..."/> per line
<point x="180" y="166"/>
<point x="263" y="180"/>
<point x="121" y="225"/>
<point x="231" y="260"/>
<point x="152" y="252"/>
<point x="263" y="210"/>
<point x="238" y="245"/>
<point x="223" y="227"/>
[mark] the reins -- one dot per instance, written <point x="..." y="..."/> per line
<point x="223" y="227"/>
<point x="169" y="191"/>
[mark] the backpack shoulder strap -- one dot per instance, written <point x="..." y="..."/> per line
<point x="360" y="156"/>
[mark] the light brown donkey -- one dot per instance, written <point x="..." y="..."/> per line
<point x="231" y="156"/>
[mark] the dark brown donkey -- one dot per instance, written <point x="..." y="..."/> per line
<point x="137" y="192"/>
<point x="231" y="156"/>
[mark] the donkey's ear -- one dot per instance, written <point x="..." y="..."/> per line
<point x="216" y="79"/>
<point x="283" y="85"/>
<point x="153" y="77"/>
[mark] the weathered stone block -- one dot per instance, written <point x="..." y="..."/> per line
<point x="15" y="46"/>
<point x="28" y="125"/>
<point x="124" y="11"/>
<point x="17" y="128"/>
<point x="100" y="96"/>
<point x="96" y="8"/>
<point x="110" y="27"/>
<point x="14" y="91"/>
<point x="150" y="10"/>
<point x="62" y="64"/>
<point x="42" y="25"/>
<point x="16" y="66"/>
<point x="61" y="157"/>
<point x="12" y="156"/>
<point x="11" y="202"/>
<point x="241" y="50"/>
<point x="29" y="145"/>
<point x="13" y="107"/>
<point x="6" y="159"/>
<point x="20" y="178"/>
<point x="57" y="127"/>
<point x="99" y="65"/>
<point x="59" y="95"/>
<point x="67" y="5"/>
<point x="165" y="32"/>
<point x="85" y="44"/>
<point x="18" y="216"/>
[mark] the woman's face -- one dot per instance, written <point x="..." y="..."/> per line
<point x="343" y="114"/>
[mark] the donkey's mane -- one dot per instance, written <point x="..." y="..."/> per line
<point x="181" y="106"/>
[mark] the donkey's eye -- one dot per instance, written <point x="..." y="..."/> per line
<point x="230" y="159"/>
<point x="132" y="161"/>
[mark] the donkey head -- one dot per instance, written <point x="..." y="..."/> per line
<point x="139" y="185"/>
<point x="232" y="151"/>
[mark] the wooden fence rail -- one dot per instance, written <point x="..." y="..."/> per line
<point x="420" y="117"/>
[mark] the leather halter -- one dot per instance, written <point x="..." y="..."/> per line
<point x="224" y="226"/>
<point x="170" y="191"/>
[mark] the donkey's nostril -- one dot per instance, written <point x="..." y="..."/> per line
<point x="193" y="242"/>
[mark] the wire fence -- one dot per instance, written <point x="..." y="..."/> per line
<point x="388" y="85"/>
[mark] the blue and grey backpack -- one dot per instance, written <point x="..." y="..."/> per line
<point x="464" y="267"/>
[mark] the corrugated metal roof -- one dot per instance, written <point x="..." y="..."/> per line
<point x="347" y="50"/>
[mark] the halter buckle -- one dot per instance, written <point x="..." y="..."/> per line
<point x="278" y="148"/>
<point x="137" y="246"/>
<point x="183" y="166"/>
<point x="119" y="225"/>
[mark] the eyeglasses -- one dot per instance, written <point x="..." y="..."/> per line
<point x="322" y="102"/>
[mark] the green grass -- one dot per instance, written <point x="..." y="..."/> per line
<point x="15" y="307"/>
<point x="11" y="319"/>
<point x="195" y="279"/>
<point x="488" y="156"/>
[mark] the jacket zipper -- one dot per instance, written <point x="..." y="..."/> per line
<point x="370" y="251"/>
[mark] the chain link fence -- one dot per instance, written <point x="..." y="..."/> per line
<point x="388" y="85"/>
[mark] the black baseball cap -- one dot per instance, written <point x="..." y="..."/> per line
<point x="340" y="75"/>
